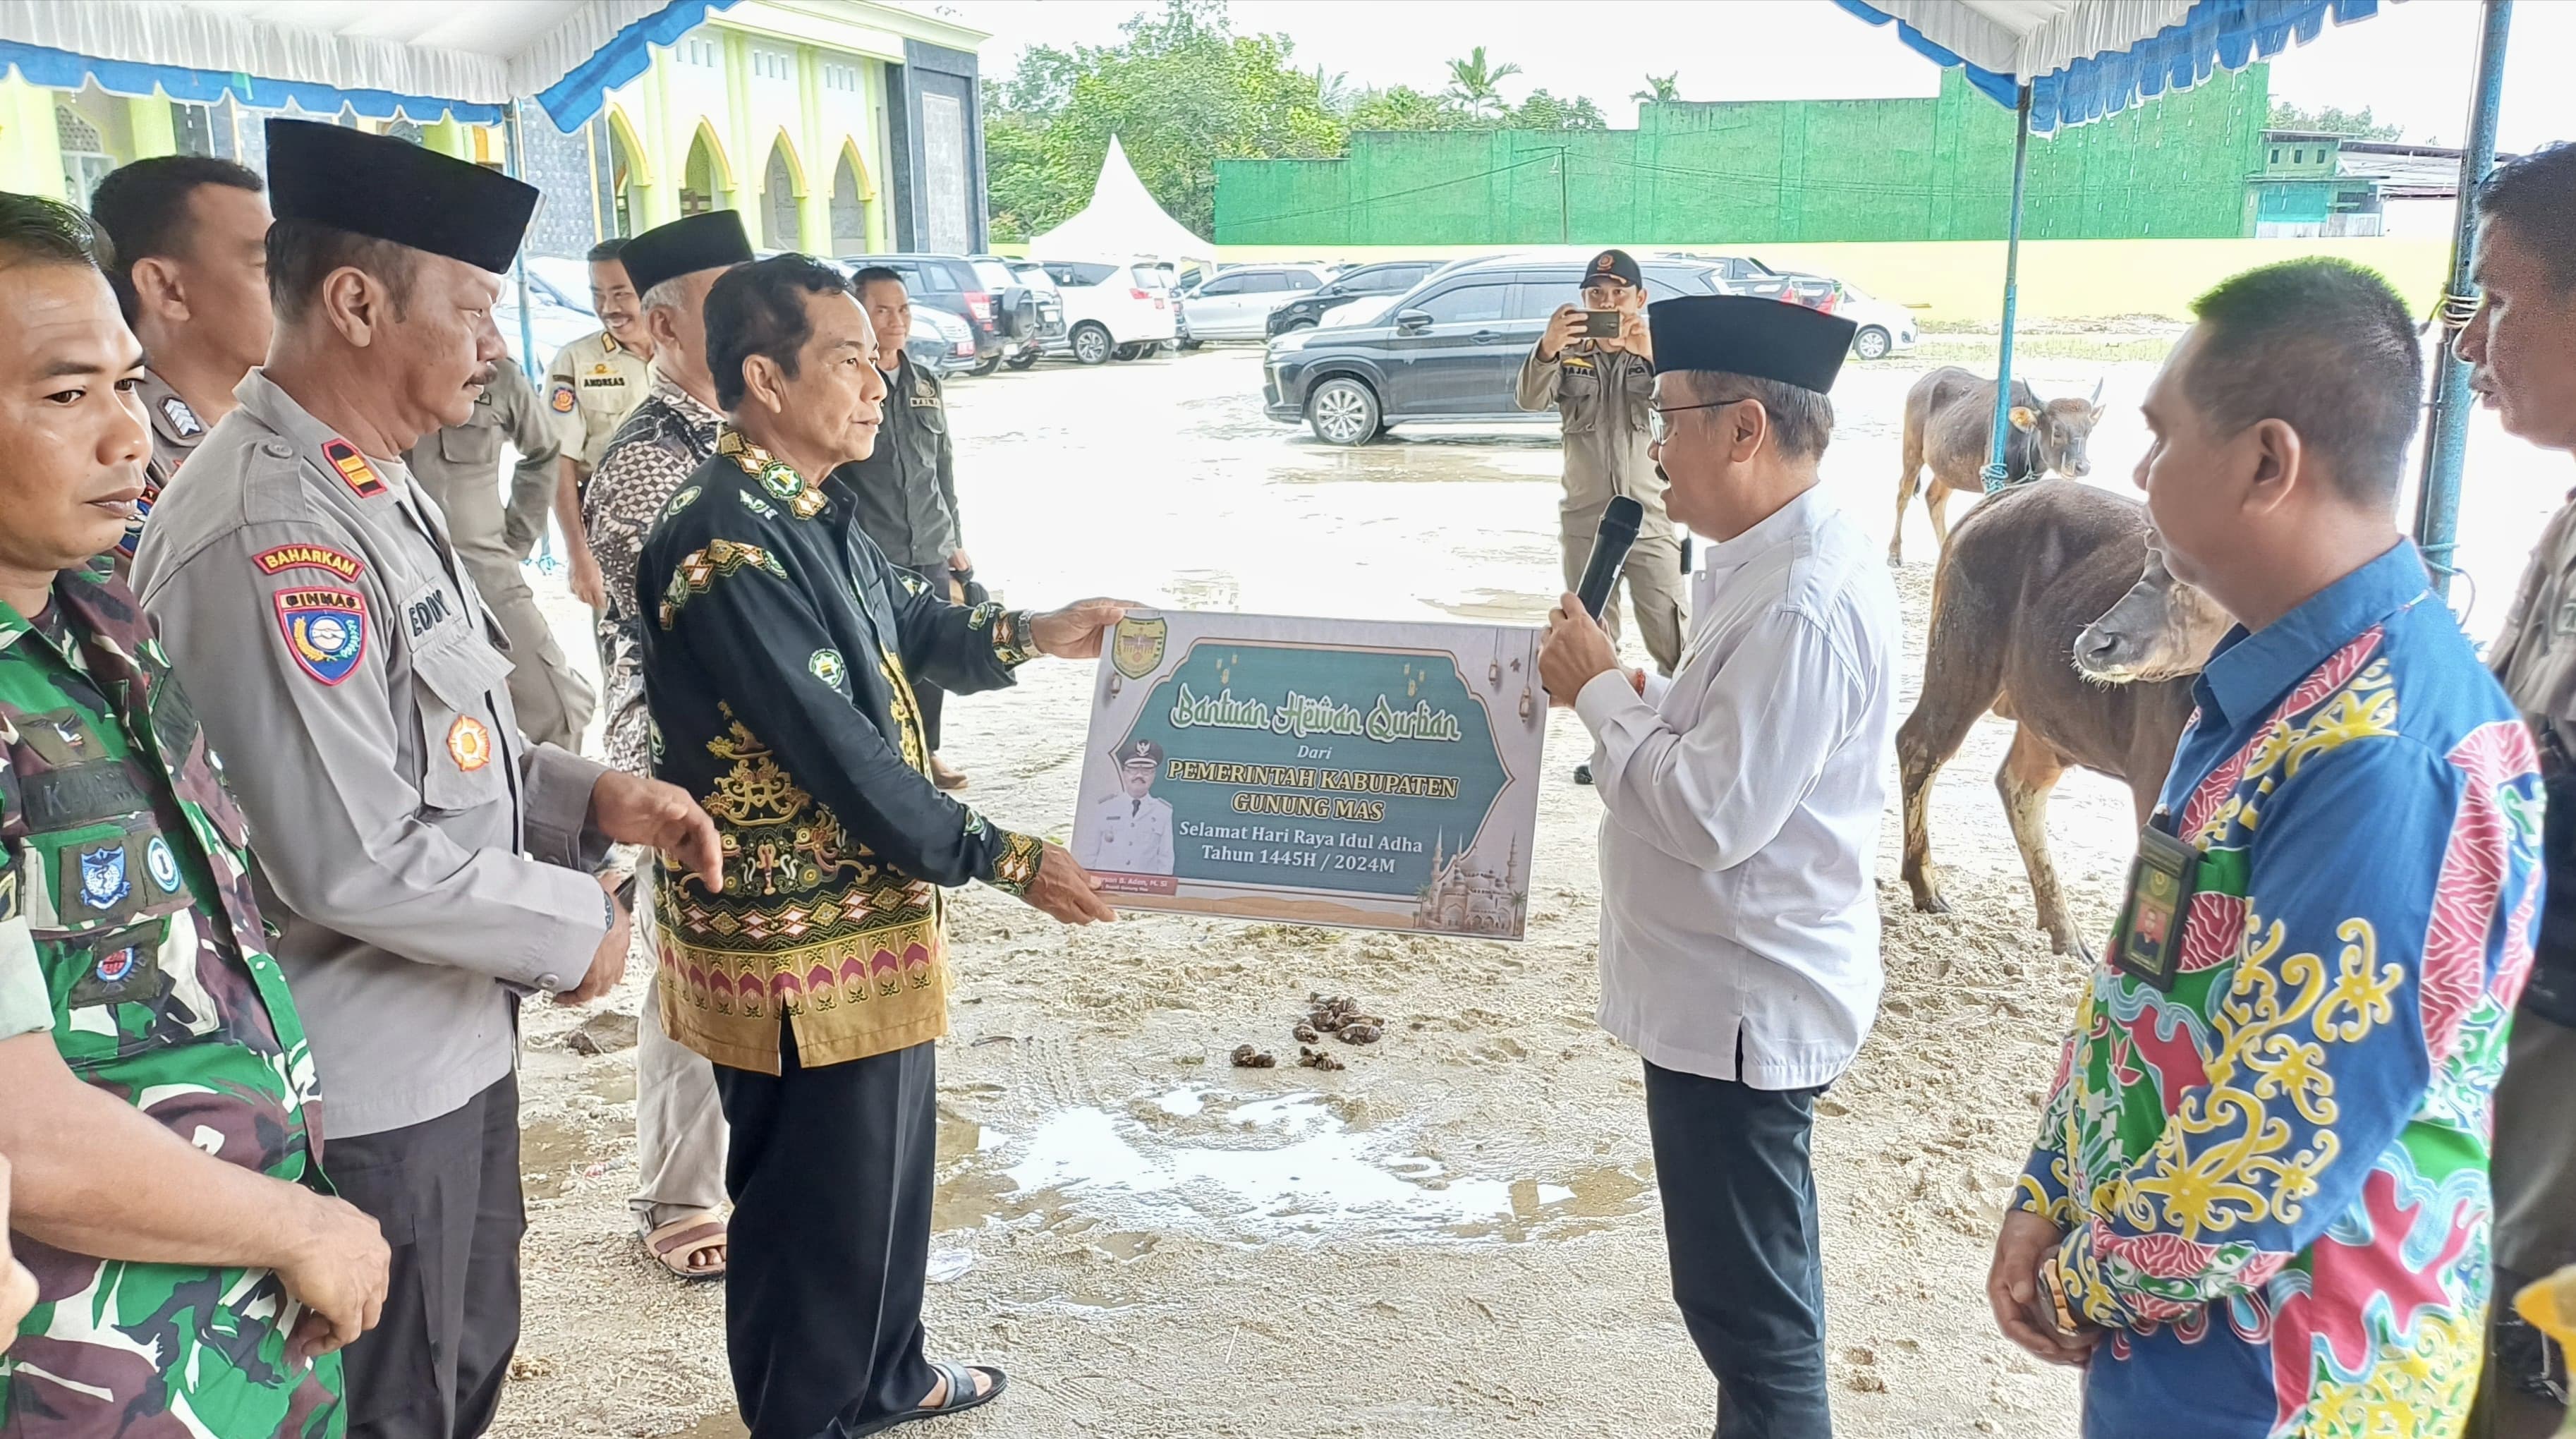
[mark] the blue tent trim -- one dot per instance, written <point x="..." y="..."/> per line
<point x="571" y="101"/>
<point x="2214" y="35"/>
<point x="53" y="69"/>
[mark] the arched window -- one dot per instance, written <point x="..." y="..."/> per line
<point x="778" y="196"/>
<point x="849" y="209"/>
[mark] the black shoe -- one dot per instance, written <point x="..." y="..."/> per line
<point x="1583" y="774"/>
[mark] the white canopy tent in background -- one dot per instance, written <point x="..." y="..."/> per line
<point x="1122" y="222"/>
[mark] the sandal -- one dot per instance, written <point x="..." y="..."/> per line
<point x="676" y="1244"/>
<point x="961" y="1380"/>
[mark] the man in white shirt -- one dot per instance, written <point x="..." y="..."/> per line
<point x="1133" y="831"/>
<point x="1739" y="927"/>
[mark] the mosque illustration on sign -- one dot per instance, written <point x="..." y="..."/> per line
<point x="1464" y="900"/>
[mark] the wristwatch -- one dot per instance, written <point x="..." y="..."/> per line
<point x="2055" y="1288"/>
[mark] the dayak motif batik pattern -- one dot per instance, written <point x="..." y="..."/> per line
<point x="2274" y="1177"/>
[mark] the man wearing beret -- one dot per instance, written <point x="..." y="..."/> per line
<point x="426" y="865"/>
<point x="1603" y="390"/>
<point x="677" y="1207"/>
<point x="1739" y="928"/>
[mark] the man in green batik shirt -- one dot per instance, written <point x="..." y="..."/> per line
<point x="156" y="1094"/>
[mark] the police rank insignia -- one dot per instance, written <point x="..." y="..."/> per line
<point x="561" y="400"/>
<point x="827" y="667"/>
<point x="162" y="865"/>
<point x="103" y="881"/>
<point x="355" y="472"/>
<point x="326" y="630"/>
<point x="183" y="421"/>
<point x="469" y="743"/>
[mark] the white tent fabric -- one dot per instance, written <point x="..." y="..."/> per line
<point x="2028" y="38"/>
<point x="1122" y="222"/>
<point x="478" y="52"/>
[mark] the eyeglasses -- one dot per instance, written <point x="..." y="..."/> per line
<point x="1657" y="427"/>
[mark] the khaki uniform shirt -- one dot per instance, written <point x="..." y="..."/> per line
<point x="907" y="486"/>
<point x="461" y="464"/>
<point x="176" y="432"/>
<point x="360" y="700"/>
<point x="1603" y="398"/>
<point x="592" y="386"/>
<point x="2535" y="657"/>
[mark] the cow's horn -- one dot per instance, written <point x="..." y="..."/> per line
<point x="2097" y="392"/>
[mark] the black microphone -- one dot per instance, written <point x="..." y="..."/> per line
<point x="1609" y="553"/>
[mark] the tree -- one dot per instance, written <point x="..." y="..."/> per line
<point x="2357" y="124"/>
<point x="1543" y="111"/>
<point x="1402" y="107"/>
<point x="1659" y="88"/>
<point x="1476" y="87"/>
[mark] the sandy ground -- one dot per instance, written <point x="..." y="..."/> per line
<point x="1458" y="1235"/>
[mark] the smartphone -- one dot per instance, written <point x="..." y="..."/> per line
<point x="1601" y="324"/>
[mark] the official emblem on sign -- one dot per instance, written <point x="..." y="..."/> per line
<point x="562" y="400"/>
<point x="114" y="967"/>
<point x="1138" y="646"/>
<point x="827" y="667"/>
<point x="469" y="743"/>
<point x="162" y="865"/>
<point x="355" y="472"/>
<point x="182" y="420"/>
<point x="326" y="630"/>
<point x="103" y="881"/>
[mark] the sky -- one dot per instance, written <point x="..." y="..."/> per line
<point x="2410" y="63"/>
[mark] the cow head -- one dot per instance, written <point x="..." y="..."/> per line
<point x="2161" y="629"/>
<point x="2058" y="432"/>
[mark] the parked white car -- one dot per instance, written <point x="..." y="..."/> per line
<point x="1884" y="328"/>
<point x="1235" y="303"/>
<point x="1112" y="309"/>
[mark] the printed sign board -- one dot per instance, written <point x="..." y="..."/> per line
<point x="1335" y="772"/>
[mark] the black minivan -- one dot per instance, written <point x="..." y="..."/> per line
<point x="1386" y="277"/>
<point x="1449" y="350"/>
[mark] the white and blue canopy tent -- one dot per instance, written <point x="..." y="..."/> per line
<point x="2064" y="62"/>
<point x="472" y="61"/>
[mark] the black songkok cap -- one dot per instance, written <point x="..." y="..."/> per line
<point x="1750" y="335"/>
<point x="712" y="241"/>
<point x="395" y="190"/>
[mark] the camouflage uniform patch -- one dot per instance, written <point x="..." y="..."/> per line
<point x="131" y="873"/>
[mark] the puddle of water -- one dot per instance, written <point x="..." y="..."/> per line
<point x="616" y="1085"/>
<point x="551" y="1153"/>
<point x="1186" y="1161"/>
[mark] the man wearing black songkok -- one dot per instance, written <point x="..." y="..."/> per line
<point x="429" y="866"/>
<point x="1739" y="929"/>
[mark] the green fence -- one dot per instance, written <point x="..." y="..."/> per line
<point x="1769" y="171"/>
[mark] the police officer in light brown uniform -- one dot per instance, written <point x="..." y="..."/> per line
<point x="593" y="385"/>
<point x="1604" y="390"/>
<point x="458" y="467"/>
<point x="428" y="866"/>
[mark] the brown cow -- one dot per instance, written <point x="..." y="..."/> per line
<point x="1950" y="421"/>
<point x="2010" y="603"/>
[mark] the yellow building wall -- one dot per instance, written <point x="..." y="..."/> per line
<point x="1962" y="281"/>
<point x="31" y="156"/>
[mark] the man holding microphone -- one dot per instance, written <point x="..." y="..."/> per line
<point x="1739" y="933"/>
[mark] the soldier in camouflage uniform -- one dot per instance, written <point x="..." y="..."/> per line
<point x="156" y="1092"/>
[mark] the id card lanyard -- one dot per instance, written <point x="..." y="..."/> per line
<point x="2147" y="944"/>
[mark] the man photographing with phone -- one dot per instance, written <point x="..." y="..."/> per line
<point x="1596" y="365"/>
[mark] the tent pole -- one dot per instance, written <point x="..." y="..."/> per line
<point x="527" y="319"/>
<point x="2446" y="442"/>
<point x="1996" y="474"/>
